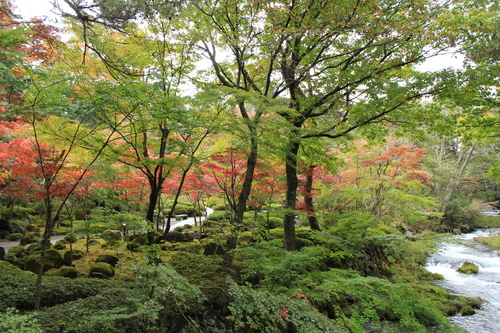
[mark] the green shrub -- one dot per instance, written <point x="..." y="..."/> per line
<point x="18" y="287"/>
<point x="220" y="215"/>
<point x="110" y="311"/>
<point x="222" y="207"/>
<point x="461" y="214"/>
<point x="111" y="236"/>
<point x="261" y="311"/>
<point x="13" y="322"/>
<point x="15" y="237"/>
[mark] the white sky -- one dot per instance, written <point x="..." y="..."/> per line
<point x="33" y="8"/>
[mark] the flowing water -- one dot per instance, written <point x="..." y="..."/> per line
<point x="485" y="284"/>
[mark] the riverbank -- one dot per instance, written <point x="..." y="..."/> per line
<point x="483" y="284"/>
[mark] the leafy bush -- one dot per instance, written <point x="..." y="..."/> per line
<point x="220" y="215"/>
<point x="15" y="237"/>
<point x="111" y="236"/>
<point x="18" y="287"/>
<point x="220" y="207"/>
<point x="261" y="311"/>
<point x="461" y="214"/>
<point x="109" y="311"/>
<point x="11" y="321"/>
<point x="362" y="300"/>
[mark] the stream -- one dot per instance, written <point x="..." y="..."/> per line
<point x="485" y="284"/>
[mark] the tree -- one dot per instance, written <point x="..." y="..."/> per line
<point x="335" y="67"/>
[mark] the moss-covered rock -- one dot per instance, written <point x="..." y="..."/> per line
<point x="108" y="258"/>
<point x="53" y="259"/>
<point x="77" y="254"/>
<point x="60" y="244"/>
<point x="33" y="248"/>
<point x="69" y="272"/>
<point x="70" y="238"/>
<point x="15" y="237"/>
<point x="141" y="239"/>
<point x="468" y="268"/>
<point x="102" y="268"/>
<point x="28" y="239"/>
<point x="16" y="251"/>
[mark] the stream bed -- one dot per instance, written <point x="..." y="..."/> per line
<point x="485" y="284"/>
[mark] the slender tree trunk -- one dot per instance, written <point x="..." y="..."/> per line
<point x="242" y="202"/>
<point x="292" y="183"/>
<point x="308" y="199"/>
<point x="456" y="176"/>
<point x="150" y="215"/>
<point x="49" y="226"/>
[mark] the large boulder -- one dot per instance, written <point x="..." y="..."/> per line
<point x="141" y="239"/>
<point x="69" y="272"/>
<point x="53" y="259"/>
<point x="108" y="258"/>
<point x="28" y="239"/>
<point x="101" y="268"/>
<point x="77" y="254"/>
<point x="60" y="244"/>
<point x="5" y="228"/>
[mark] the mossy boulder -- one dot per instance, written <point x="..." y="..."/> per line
<point x="77" y="254"/>
<point x="133" y="246"/>
<point x="468" y="268"/>
<point x="18" y="227"/>
<point x="28" y="239"/>
<point x="53" y="259"/>
<point x="102" y="268"/>
<point x="70" y="238"/>
<point x="33" y="248"/>
<point x="108" y="258"/>
<point x="60" y="244"/>
<point x="69" y="272"/>
<point x="141" y="239"/>
<point x="16" y="251"/>
<point x="92" y="242"/>
<point x="177" y="236"/>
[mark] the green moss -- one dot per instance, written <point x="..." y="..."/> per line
<point x="108" y="258"/>
<point x="69" y="272"/>
<point x="468" y="268"/>
<point x="103" y="268"/>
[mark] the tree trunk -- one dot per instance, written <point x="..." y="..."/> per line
<point x="308" y="199"/>
<point x="150" y="215"/>
<point x="49" y="226"/>
<point x="242" y="202"/>
<point x="292" y="183"/>
<point x="456" y="176"/>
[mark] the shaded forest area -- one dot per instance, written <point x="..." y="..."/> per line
<point x="317" y="158"/>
